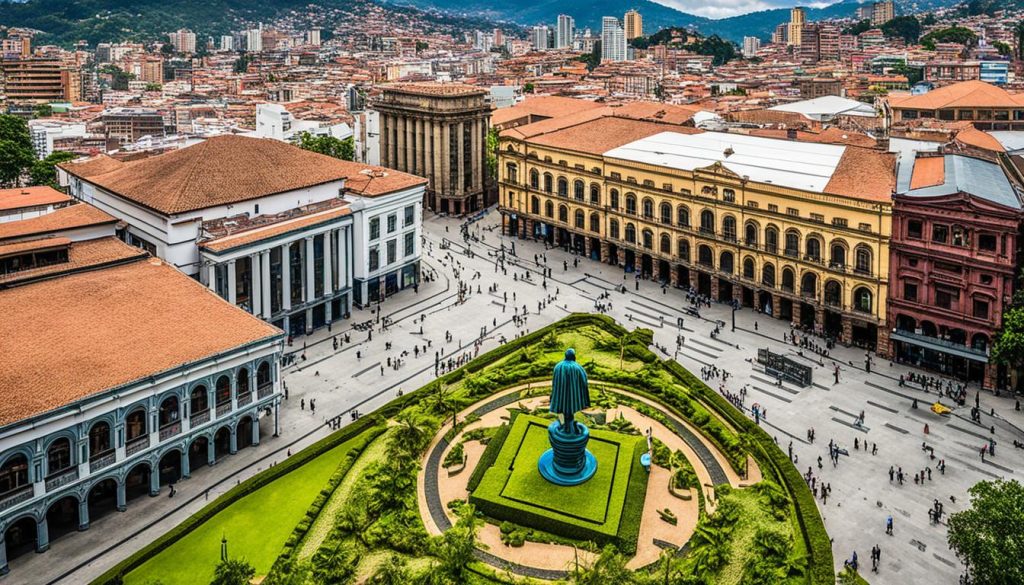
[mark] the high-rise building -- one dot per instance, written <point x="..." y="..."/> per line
<point x="314" y="36"/>
<point x="499" y="37"/>
<point x="183" y="41"/>
<point x="882" y="12"/>
<point x="781" y="34"/>
<point x="613" y="39"/>
<point x="809" y="50"/>
<point x="36" y="80"/>
<point x="227" y="43"/>
<point x="634" y="25"/>
<point x="254" y="39"/>
<point x="751" y="45"/>
<point x="16" y="47"/>
<point x="539" y="37"/>
<point x="565" y="31"/>
<point x="797" y="18"/>
<point x="828" y="42"/>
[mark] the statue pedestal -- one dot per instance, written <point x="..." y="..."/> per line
<point x="567" y="462"/>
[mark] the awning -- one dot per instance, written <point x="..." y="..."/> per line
<point x="940" y="345"/>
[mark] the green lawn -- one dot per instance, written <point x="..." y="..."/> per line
<point x="256" y="527"/>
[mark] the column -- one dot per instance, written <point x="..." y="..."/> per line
<point x="796" y="313"/>
<point x="328" y="263"/>
<point x="477" y="151"/>
<point x="154" y="480"/>
<point x="428" y="150"/>
<point x="83" y="514"/>
<point x="42" y="536"/>
<point x="277" y="425"/>
<point x="186" y="471"/>
<point x="776" y="305"/>
<point x="211" y="277"/>
<point x="211" y="452"/>
<point x="385" y="127"/>
<point x="694" y="279"/>
<point x="232" y="285"/>
<point x="122" y="500"/>
<point x="674" y="275"/>
<point x="256" y="287"/>
<point x="233" y="446"/>
<point x="256" y="428"/>
<point x="286" y="278"/>
<point x="714" y="287"/>
<point x="437" y="177"/>
<point x="266" y="278"/>
<point x="847" y="336"/>
<point x="460" y="176"/>
<point x="3" y="555"/>
<point x="308" y="262"/>
<point x="400" y="133"/>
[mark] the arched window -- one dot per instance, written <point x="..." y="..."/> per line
<point x="223" y="390"/>
<point x="833" y="294"/>
<point x="58" y="456"/>
<point x="595" y="194"/>
<point x="788" y="279"/>
<point x="263" y="375"/>
<point x="813" y="249"/>
<point x="862" y="300"/>
<point x="534" y="179"/>
<point x="563" y="187"/>
<point x="242" y="382"/>
<point x="648" y="208"/>
<point x="169" y="411"/>
<point x="549" y="209"/>
<point x="725" y="263"/>
<point x="771" y="240"/>
<point x="580" y="219"/>
<point x="666" y="213"/>
<point x="768" y="275"/>
<point x="548" y="182"/>
<point x="748" y="268"/>
<point x="729" y="228"/>
<point x="648" y="239"/>
<point x="792" y="243"/>
<point x="863" y="265"/>
<point x="14" y="473"/>
<point x="135" y="424"/>
<point x="683" y="216"/>
<point x="979" y="342"/>
<point x="595" y="223"/>
<point x="705" y="256"/>
<point x="199" y="401"/>
<point x="563" y="213"/>
<point x="837" y="259"/>
<point x="535" y="205"/>
<point x="809" y="285"/>
<point x="99" y="440"/>
<point x="613" y="228"/>
<point x="665" y="246"/>
<point x="683" y="249"/>
<point x="613" y="198"/>
<point x="630" y="233"/>
<point x="578" y="189"/>
<point x="750" y="234"/>
<point x="707" y="222"/>
<point x="630" y="203"/>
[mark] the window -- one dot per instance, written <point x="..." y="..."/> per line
<point x="910" y="291"/>
<point x="946" y="298"/>
<point x="392" y="251"/>
<point x="986" y="279"/>
<point x="793" y="211"/>
<point x="862" y="300"/>
<point x="548" y="182"/>
<point x="771" y="240"/>
<point x="630" y="233"/>
<point x="549" y="209"/>
<point x="666" y="213"/>
<point x="980" y="309"/>
<point x="410" y="243"/>
<point x="987" y="242"/>
<point x="750" y="234"/>
<point x="814" y="249"/>
<point x="563" y="187"/>
<point x="840" y="222"/>
<point x="410" y="216"/>
<point x="707" y="222"/>
<point x="915" y="229"/>
<point x="375" y="228"/>
<point x="863" y="259"/>
<point x="961" y="237"/>
<point x="792" y="244"/>
<point x="563" y="213"/>
<point x="864" y="227"/>
<point x="752" y="204"/>
<point x="648" y="237"/>
<point x="534" y="205"/>
<point x="683" y="249"/>
<point x="595" y="194"/>
<point x="595" y="223"/>
<point x="392" y="223"/>
<point x="579" y="219"/>
<point x="729" y="228"/>
<point x="817" y="217"/>
<point x="613" y="228"/>
<point x="374" y="259"/>
<point x="534" y="179"/>
<point x="947" y="267"/>
<point x="648" y="208"/>
<point x="773" y="208"/>
<point x="630" y="203"/>
<point x="613" y="198"/>
<point x="683" y="216"/>
<point x="728" y="195"/>
<point x="665" y="245"/>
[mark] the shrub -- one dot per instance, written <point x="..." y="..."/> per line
<point x="455" y="456"/>
<point x="490" y="454"/>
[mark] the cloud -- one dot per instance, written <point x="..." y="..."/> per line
<point x="726" y="8"/>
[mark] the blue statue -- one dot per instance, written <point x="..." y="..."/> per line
<point x="568" y="462"/>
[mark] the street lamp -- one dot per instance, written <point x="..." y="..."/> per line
<point x="734" y="316"/>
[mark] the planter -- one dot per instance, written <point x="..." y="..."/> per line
<point x="685" y="495"/>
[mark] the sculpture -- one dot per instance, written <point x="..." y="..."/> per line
<point x="568" y="462"/>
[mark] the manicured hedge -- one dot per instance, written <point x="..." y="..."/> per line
<point x="490" y="453"/>
<point x="633" y="507"/>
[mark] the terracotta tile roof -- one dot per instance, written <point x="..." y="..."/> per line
<point x="11" y="199"/>
<point x="548" y="106"/>
<point x="32" y="245"/>
<point x="222" y="170"/>
<point x="603" y="134"/>
<point x="928" y="172"/>
<point x="97" y="165"/>
<point x="435" y="89"/>
<point x="372" y="181"/>
<point x="82" y="254"/>
<point x="265" y="232"/>
<point x="831" y="135"/>
<point x="647" y="111"/>
<point x="864" y="173"/>
<point x="65" y="218"/>
<point x="966" y="94"/>
<point x="76" y="336"/>
<point x="971" y="136"/>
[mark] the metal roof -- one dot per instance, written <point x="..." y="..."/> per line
<point x="964" y="174"/>
<point x="827" y="106"/>
<point x="1012" y="140"/>
<point x="799" y="165"/>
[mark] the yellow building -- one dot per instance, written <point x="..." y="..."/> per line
<point x="797" y="19"/>
<point x="634" y="25"/>
<point x="798" y="230"/>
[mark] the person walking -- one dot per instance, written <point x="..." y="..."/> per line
<point x="888" y="525"/>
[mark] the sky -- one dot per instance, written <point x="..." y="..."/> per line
<point x="727" y="8"/>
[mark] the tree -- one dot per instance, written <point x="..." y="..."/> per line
<point x="16" y="146"/>
<point x="1008" y="347"/>
<point x="954" y="34"/>
<point x="233" y="572"/>
<point x="1004" y="49"/>
<point x="167" y="49"/>
<point x="345" y="149"/>
<point x="242" y="63"/>
<point x="42" y="111"/>
<point x="721" y="50"/>
<point x="986" y="536"/>
<point x="491" y="155"/>
<point x="393" y="571"/>
<point x="907" y="28"/>
<point x="455" y="548"/>
<point x="335" y="562"/>
<point x="411" y="432"/>
<point x="608" y="567"/>
<point x="44" y="172"/>
<point x="861" y="26"/>
<point x="928" y="20"/>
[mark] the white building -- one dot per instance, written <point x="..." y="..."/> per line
<point x="44" y="132"/>
<point x="367" y="133"/>
<point x="254" y="40"/>
<point x="184" y="41"/>
<point x="313" y="37"/>
<point x="751" y="45"/>
<point x="275" y="121"/>
<point x="227" y="43"/>
<point x="539" y="36"/>
<point x="564" y="31"/>
<point x="284" y="233"/>
<point x="613" y="40"/>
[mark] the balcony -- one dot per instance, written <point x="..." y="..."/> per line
<point x="16" y="496"/>
<point x="168" y="431"/>
<point x="244" y="399"/>
<point x="862" y="271"/>
<point x="136" y="445"/>
<point x="223" y="409"/>
<point x="264" y="391"/>
<point x="61" y="478"/>
<point x="103" y="460"/>
<point x="792" y="253"/>
<point x="200" y="418"/>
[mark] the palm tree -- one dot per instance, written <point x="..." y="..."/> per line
<point x="443" y="403"/>
<point x="709" y="549"/>
<point x="411" y="432"/>
<point x="455" y="548"/>
<point x="393" y="571"/>
<point x="333" y="563"/>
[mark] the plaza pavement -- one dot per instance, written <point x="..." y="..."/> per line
<point x="862" y="496"/>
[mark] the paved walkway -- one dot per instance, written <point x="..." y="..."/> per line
<point x="862" y="496"/>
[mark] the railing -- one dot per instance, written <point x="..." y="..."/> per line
<point x="862" y="271"/>
<point x="833" y="302"/>
<point x="200" y="418"/>
<point x="265" y="390"/>
<point x="136" y="445"/>
<point x="244" y="399"/>
<point x="101" y="461"/>
<point x="808" y="294"/>
<point x="61" y="478"/>
<point x="168" y="431"/>
<point x="16" y="496"/>
<point x="223" y="409"/>
<point x="791" y="253"/>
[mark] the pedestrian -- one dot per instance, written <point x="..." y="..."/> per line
<point x="171" y="495"/>
<point x="302" y="404"/>
<point x="888" y="525"/>
<point x="312" y="407"/>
